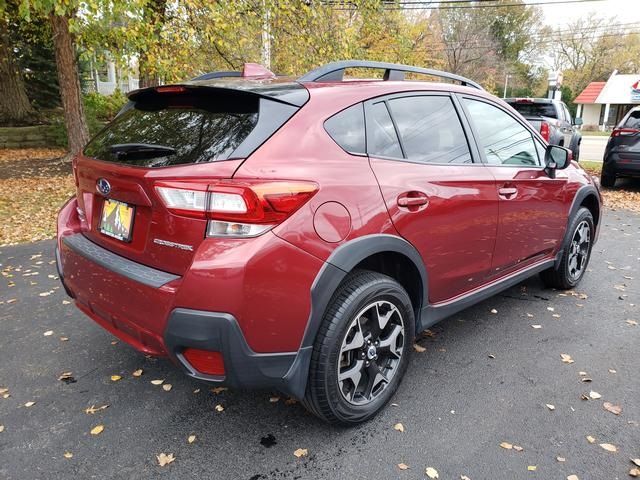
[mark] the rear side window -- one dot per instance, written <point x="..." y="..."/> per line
<point x="535" y="109"/>
<point x="163" y="130"/>
<point x="633" y="121"/>
<point x="383" y="140"/>
<point x="430" y="130"/>
<point x="347" y="129"/>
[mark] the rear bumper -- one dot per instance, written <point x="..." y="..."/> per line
<point x="622" y="163"/>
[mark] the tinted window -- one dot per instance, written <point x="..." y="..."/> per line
<point x="430" y="129"/>
<point x="535" y="109"/>
<point x="504" y="140"/>
<point x="347" y="129"/>
<point x="383" y="138"/>
<point x="633" y="121"/>
<point x="193" y="128"/>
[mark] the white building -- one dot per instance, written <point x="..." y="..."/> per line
<point x="109" y="79"/>
<point x="603" y="104"/>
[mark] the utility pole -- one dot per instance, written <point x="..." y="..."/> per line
<point x="266" y="35"/>
<point x="506" y="82"/>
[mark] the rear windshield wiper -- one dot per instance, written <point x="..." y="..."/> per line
<point x="141" y="150"/>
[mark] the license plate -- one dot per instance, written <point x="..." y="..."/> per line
<point x="117" y="219"/>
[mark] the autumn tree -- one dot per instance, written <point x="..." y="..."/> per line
<point x="15" y="108"/>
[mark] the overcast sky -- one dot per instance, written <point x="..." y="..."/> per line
<point x="556" y="15"/>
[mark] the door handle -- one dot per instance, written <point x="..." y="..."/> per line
<point x="412" y="199"/>
<point x="507" y="192"/>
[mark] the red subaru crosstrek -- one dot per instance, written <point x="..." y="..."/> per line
<point x="297" y="234"/>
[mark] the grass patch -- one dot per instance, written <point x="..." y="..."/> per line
<point x="595" y="134"/>
<point x="592" y="167"/>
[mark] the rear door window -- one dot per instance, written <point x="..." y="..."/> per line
<point x="430" y="130"/>
<point x="382" y="138"/>
<point x="164" y="130"/>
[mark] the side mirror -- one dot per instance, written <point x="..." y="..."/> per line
<point x="577" y="122"/>
<point x="556" y="158"/>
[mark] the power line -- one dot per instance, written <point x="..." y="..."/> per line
<point x="423" y="5"/>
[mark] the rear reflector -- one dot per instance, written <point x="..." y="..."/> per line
<point x="205" y="361"/>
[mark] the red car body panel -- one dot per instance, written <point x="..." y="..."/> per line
<point x="466" y="237"/>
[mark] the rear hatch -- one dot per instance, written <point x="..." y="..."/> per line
<point x="168" y="141"/>
<point x="625" y="138"/>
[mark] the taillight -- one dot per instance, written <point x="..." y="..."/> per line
<point x="624" y="132"/>
<point x="545" y="131"/>
<point x="237" y="208"/>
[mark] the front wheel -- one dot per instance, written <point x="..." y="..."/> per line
<point x="575" y="255"/>
<point x="362" y="349"/>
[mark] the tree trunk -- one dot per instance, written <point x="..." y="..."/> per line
<point x="15" y="108"/>
<point x="70" y="93"/>
<point x="154" y="14"/>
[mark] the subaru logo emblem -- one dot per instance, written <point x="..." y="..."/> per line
<point x="103" y="186"/>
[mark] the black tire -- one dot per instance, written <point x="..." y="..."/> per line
<point x="565" y="276"/>
<point x="607" y="180"/>
<point x="576" y="154"/>
<point x="325" y="395"/>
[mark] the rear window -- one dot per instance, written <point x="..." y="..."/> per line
<point x="633" y="121"/>
<point x="535" y="109"/>
<point x="162" y="130"/>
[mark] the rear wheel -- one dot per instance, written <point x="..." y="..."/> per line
<point x="362" y="349"/>
<point x="607" y="180"/>
<point x="575" y="255"/>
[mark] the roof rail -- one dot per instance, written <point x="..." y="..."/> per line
<point x="212" y="75"/>
<point x="249" y="70"/>
<point x="334" y="72"/>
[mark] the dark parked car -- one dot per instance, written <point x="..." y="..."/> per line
<point x="622" y="155"/>
<point x="552" y="119"/>
<point x="250" y="230"/>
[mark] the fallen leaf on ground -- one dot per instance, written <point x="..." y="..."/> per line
<point x="632" y="322"/>
<point x="532" y="468"/>
<point x="432" y="472"/>
<point x="590" y="439"/>
<point x="1" y="428"/>
<point x="97" y="430"/>
<point x="157" y="382"/>
<point x="561" y="459"/>
<point x="191" y="439"/>
<point x="594" y="395"/>
<point x="536" y="326"/>
<point x="164" y="459"/>
<point x="115" y="378"/>
<point x="93" y="409"/>
<point x="419" y="348"/>
<point x="301" y="452"/>
<point x="399" y="427"/>
<point x="518" y="448"/>
<point x="635" y="461"/>
<point x="290" y="401"/>
<point x="166" y="387"/>
<point x="218" y="390"/>
<point x="556" y="315"/>
<point x="403" y="466"/>
<point x="137" y="373"/>
<point x="491" y="355"/>
<point x="609" y="447"/>
<point x="634" y="472"/>
<point x="586" y="380"/>
<point x="551" y="407"/>
<point x="573" y="477"/>
<point x="274" y="399"/>
<point x="48" y="333"/>
<point x="29" y="404"/>
<point x="506" y="445"/>
<point x="610" y="407"/>
<point x="464" y="477"/>
<point x="551" y="309"/>
<point x="493" y="310"/>
<point x="64" y="339"/>
<point x="196" y="391"/>
<point x="611" y="370"/>
<point x="219" y="408"/>
<point x="65" y="376"/>
<point x="566" y="358"/>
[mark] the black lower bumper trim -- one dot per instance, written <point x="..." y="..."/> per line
<point x="60" y="272"/>
<point x="244" y="368"/>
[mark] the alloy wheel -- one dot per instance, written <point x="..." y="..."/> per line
<point x="579" y="250"/>
<point x="370" y="353"/>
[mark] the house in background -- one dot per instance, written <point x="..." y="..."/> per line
<point x="106" y="78"/>
<point x="603" y="104"/>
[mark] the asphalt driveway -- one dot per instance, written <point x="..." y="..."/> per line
<point x="484" y="378"/>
